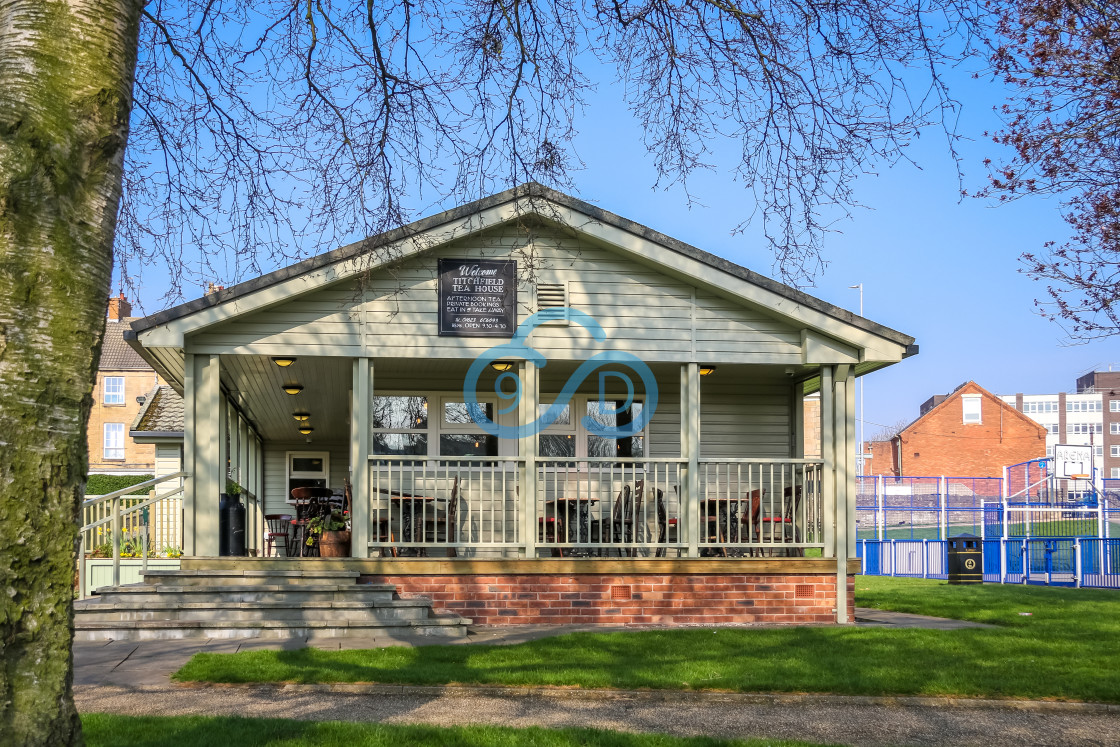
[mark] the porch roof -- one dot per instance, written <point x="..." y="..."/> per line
<point x="548" y="205"/>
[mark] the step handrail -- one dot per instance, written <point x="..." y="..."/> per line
<point x="130" y="489"/>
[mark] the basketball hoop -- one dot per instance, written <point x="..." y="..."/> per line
<point x="1079" y="477"/>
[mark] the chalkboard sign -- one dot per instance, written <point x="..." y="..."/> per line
<point x="477" y="297"/>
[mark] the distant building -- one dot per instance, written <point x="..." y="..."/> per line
<point x="124" y="383"/>
<point x="1089" y="417"/>
<point x="969" y="432"/>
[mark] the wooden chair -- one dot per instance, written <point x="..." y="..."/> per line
<point x="276" y="532"/>
<point x="665" y="523"/>
<point x="310" y="503"/>
<point x="624" y="516"/>
<point x="791" y="499"/>
<point x="445" y="528"/>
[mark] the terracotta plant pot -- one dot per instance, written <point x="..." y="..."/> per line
<point x="335" y="544"/>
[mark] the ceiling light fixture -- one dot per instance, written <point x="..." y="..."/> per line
<point x="502" y="366"/>
<point x="706" y="370"/>
<point x="283" y="361"/>
<point x="292" y="388"/>
<point x="305" y="429"/>
<point x="301" y="416"/>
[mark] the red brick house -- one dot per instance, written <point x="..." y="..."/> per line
<point x="969" y="432"/>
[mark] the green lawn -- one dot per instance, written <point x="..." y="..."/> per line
<point x="103" y="730"/>
<point x="1064" y="650"/>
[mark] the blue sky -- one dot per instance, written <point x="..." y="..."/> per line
<point x="933" y="265"/>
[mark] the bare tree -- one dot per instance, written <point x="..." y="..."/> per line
<point x="259" y="131"/>
<point x="1062" y="58"/>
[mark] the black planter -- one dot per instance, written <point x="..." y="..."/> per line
<point x="231" y="526"/>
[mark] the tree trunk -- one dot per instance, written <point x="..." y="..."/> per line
<point x="66" y="71"/>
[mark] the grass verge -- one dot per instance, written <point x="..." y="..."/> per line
<point x="103" y="730"/>
<point x="1062" y="650"/>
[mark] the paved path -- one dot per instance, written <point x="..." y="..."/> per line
<point x="131" y="678"/>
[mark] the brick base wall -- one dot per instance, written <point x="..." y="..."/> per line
<point x="642" y="599"/>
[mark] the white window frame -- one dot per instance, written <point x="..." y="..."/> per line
<point x="1114" y="450"/>
<point x="1114" y="405"/>
<point x="110" y="394"/>
<point x="1115" y="473"/>
<point x="506" y="447"/>
<point x="112" y="442"/>
<point x="967" y="402"/>
<point x="289" y="473"/>
<point x="1114" y="429"/>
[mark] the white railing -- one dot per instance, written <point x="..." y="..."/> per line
<point x="760" y="506"/>
<point x="592" y="507"/>
<point x="123" y="519"/>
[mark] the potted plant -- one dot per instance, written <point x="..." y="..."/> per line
<point x="333" y="533"/>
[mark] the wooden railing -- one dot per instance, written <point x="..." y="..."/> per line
<point x="593" y="507"/>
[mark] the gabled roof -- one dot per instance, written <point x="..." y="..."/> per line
<point x="532" y="198"/>
<point x="971" y="387"/>
<point x="116" y="353"/>
<point x="161" y="415"/>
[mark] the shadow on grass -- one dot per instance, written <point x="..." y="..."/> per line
<point x="103" y="730"/>
<point x="1062" y="651"/>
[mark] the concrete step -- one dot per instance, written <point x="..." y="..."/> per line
<point x="153" y="630"/>
<point x="352" y="612"/>
<point x="249" y="577"/>
<point x="235" y="594"/>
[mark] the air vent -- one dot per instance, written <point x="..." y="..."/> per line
<point x="803" y="591"/>
<point x="621" y="593"/>
<point x="552" y="302"/>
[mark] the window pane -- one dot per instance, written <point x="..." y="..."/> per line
<point x="114" y="390"/>
<point x="608" y="414"/>
<point x="557" y="446"/>
<point x="399" y="413"/>
<point x="598" y="446"/>
<point x="113" y="443"/>
<point x="307" y="464"/>
<point x="411" y="444"/>
<point x="459" y="413"/>
<point x="564" y="418"/>
<point x="467" y="444"/>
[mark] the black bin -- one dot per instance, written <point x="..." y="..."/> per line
<point x="231" y="526"/>
<point x="966" y="559"/>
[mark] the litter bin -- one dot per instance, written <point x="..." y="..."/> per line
<point x="231" y="526"/>
<point x="966" y="559"/>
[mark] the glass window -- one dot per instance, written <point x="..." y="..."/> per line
<point x="1114" y="429"/>
<point x="114" y="441"/>
<point x="1114" y="405"/>
<point x="1114" y="451"/>
<point x="459" y="413"/>
<point x="467" y="444"/>
<point x="610" y="414"/>
<point x="971" y="407"/>
<point x="399" y="413"/>
<point x="1049" y="451"/>
<point x="1115" y="472"/>
<point x="410" y="444"/>
<point x="114" y="391"/>
<point x="1098" y="451"/>
<point x="564" y="417"/>
<point x="557" y="445"/>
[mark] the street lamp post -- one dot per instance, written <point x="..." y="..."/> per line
<point x="859" y="453"/>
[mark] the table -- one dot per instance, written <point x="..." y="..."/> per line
<point x="407" y="507"/>
<point x="577" y="519"/>
<point x="725" y="512"/>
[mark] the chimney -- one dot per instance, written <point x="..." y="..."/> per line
<point x="119" y="308"/>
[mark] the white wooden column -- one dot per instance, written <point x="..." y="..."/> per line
<point x="360" y="516"/>
<point x="204" y="445"/>
<point x="828" y="470"/>
<point x="844" y="462"/>
<point x="850" y="458"/>
<point x="529" y="448"/>
<point x="690" y="451"/>
<point x="797" y="421"/>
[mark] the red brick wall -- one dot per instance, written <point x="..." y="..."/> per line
<point x="654" y="599"/>
<point x="941" y="443"/>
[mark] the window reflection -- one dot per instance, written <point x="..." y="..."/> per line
<point x="609" y="414"/>
<point x="467" y="445"/>
<point x="564" y="418"/>
<point x="460" y="413"/>
<point x="554" y="445"/>
<point x="399" y="413"/>
<point x="400" y="443"/>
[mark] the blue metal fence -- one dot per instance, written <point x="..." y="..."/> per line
<point x="1046" y="561"/>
